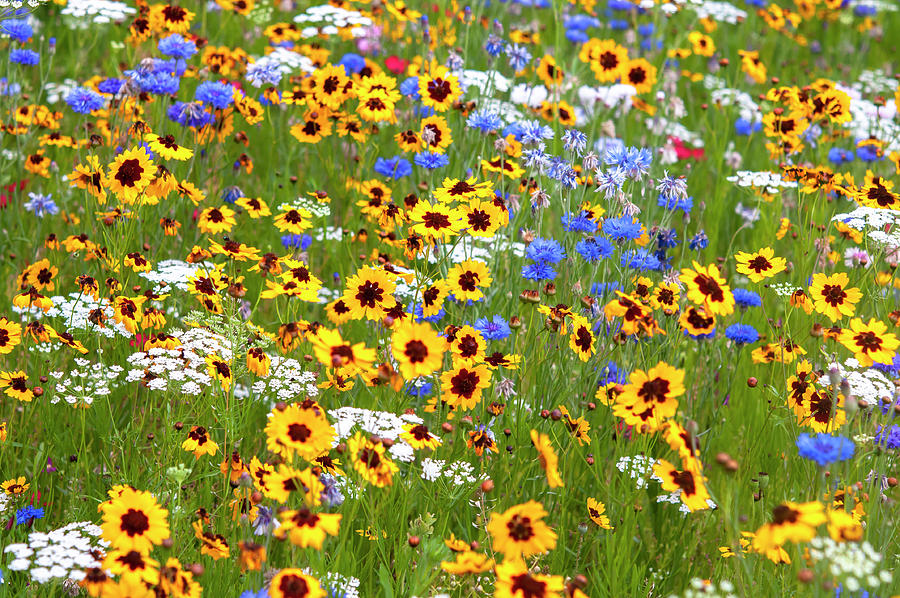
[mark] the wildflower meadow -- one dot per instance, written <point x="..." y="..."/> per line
<point x="433" y="299"/>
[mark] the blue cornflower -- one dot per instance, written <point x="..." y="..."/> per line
<point x="261" y="593"/>
<point x="581" y="22"/>
<point x="744" y="127"/>
<point x="410" y="87"/>
<point x="868" y="153"/>
<point x="699" y="241"/>
<point x="352" y="63"/>
<point x="301" y="242"/>
<point x="534" y="131"/>
<point x="666" y="238"/>
<point x="190" y="114"/>
<point x="485" y="121"/>
<point x="646" y="30"/>
<point x="639" y="259"/>
<point x="431" y="161"/>
<point x="545" y="251"/>
<point x="892" y="368"/>
<point x="745" y="298"/>
<point x="18" y="29"/>
<point x="539" y="271"/>
<point x="672" y="187"/>
<point x="24" y="57"/>
<point x="330" y="494"/>
<point x="864" y="10"/>
<point x="176" y="45"/>
<point x="41" y="205"/>
<point x="574" y="141"/>
<point x="264" y="72"/>
<point x="623" y="228"/>
<point x="534" y="157"/>
<point x="514" y="129"/>
<point x="264" y="522"/>
<point x="518" y="56"/>
<point x="610" y="182"/>
<point x="839" y="155"/>
<point x="825" y="449"/>
<point x="637" y="163"/>
<point x="84" y="101"/>
<point x="618" y="24"/>
<point x="594" y="249"/>
<point x="9" y="89"/>
<point x="420" y="387"/>
<point x="110" y="86"/>
<point x="742" y="334"/>
<point x="556" y="168"/>
<point x="218" y="95"/>
<point x="28" y="514"/>
<point x="160" y="82"/>
<point x="580" y="223"/>
<point x="494" y="45"/>
<point x="685" y="204"/>
<point x="232" y="193"/>
<point x="495" y="329"/>
<point x="602" y="288"/>
<point x="416" y="311"/>
<point x="888" y="437"/>
<point x="611" y="374"/>
<point x="395" y="167"/>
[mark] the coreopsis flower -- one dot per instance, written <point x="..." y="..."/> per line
<point x="438" y="88"/>
<point x="219" y="369"/>
<point x="252" y="557"/>
<point x="640" y="74"/>
<point x="596" y="510"/>
<point x="39" y="275"/>
<point x="332" y="351"/>
<point x="418" y="349"/>
<point x="133" y="520"/>
<point x="215" y="220"/>
<point x="256" y="208"/>
<point x="294" y="583"/>
<point x="467" y="345"/>
<point x="212" y="545"/>
<point x="167" y="147"/>
<point x="467" y="562"/>
<point x="129" y="174"/>
<point x="690" y="482"/>
<point x="280" y="483"/>
<point x="514" y="580"/>
<point x="258" y="361"/>
<point x="15" y="486"/>
<point x="419" y="437"/>
<point x="467" y="279"/>
<point x="199" y="442"/>
<point x="657" y="389"/>
<point x="791" y="522"/>
<point x="548" y="459"/>
<point x="301" y="429"/>
<point x="127" y="311"/>
<point x="15" y="385"/>
<point x="438" y="221"/>
<point x="89" y="176"/>
<point x="582" y="339"/>
<point x="760" y="265"/>
<point x="294" y="221"/>
<point x="314" y="126"/>
<point x="822" y="412"/>
<point x="707" y="288"/>
<point x="132" y="563"/>
<point x="370" y="461"/>
<point x="606" y="58"/>
<point x="870" y="342"/>
<point x="520" y="531"/>
<point x="435" y="134"/>
<point x="832" y="297"/>
<point x="752" y="65"/>
<point x="304" y="528"/>
<point x="369" y="293"/>
<point x="462" y="386"/>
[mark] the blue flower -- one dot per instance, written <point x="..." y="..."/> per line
<point x="84" y="101"/>
<point x="190" y="114"/>
<point x="110" y="86"/>
<point x="685" y="204"/>
<point x="545" y="251"/>
<point x="18" y="29"/>
<point x="25" y="57"/>
<point x="888" y="437"/>
<point x="330" y="495"/>
<point x="594" y="249"/>
<point x="261" y="593"/>
<point x="518" y="56"/>
<point x="395" y="167"/>
<point x="744" y="127"/>
<point x="868" y="153"/>
<point x="495" y="329"/>
<point x="534" y="131"/>
<point x="825" y="449"/>
<point x="639" y="259"/>
<point x="420" y="387"/>
<point x="175" y="45"/>
<point x="745" y="298"/>
<point x="410" y="87"/>
<point x="28" y="514"/>
<point x="892" y="368"/>
<point x="839" y="155"/>
<point x="666" y="238"/>
<point x="540" y="271"/>
<point x="623" y="228"/>
<point x="264" y="72"/>
<point x="602" y="288"/>
<point x="41" y="205"/>
<point x="485" y="121"/>
<point x="494" y="45"/>
<point x="218" y="95"/>
<point x="301" y="242"/>
<point x="264" y="522"/>
<point x="742" y="334"/>
<point x="699" y="241"/>
<point x="352" y="63"/>
<point x="431" y="161"/>
<point x="416" y="311"/>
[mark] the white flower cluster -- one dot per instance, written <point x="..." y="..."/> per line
<point x="701" y="588"/>
<point x="329" y="233"/>
<point x="638" y="467"/>
<point x="340" y="585"/>
<point x="674" y="498"/>
<point x="172" y="273"/>
<point x="289" y="61"/>
<point x="662" y="126"/>
<point x="182" y="369"/>
<point x="63" y="553"/>
<point x="875" y="222"/>
<point x="56" y="92"/>
<point x="480" y="248"/>
<point x="317" y="209"/>
<point x="80" y="386"/>
<point x="484" y="83"/>
<point x="721" y="12"/>
<point x="770" y="180"/>
<point x="378" y="423"/>
<point x="875" y="82"/>
<point x="610" y="96"/>
<point x="458" y="472"/>
<point x="287" y="381"/>
<point x="783" y="289"/>
<point x="329" y="20"/>
<point x="530" y="95"/>
<point x="98" y="11"/>
<point x="20" y="3"/>
<point x="856" y="566"/>
<point x="865" y="383"/>
<point x="726" y="96"/>
<point x="75" y="311"/>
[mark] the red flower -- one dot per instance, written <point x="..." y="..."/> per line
<point x="396" y="64"/>
<point x="685" y="153"/>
